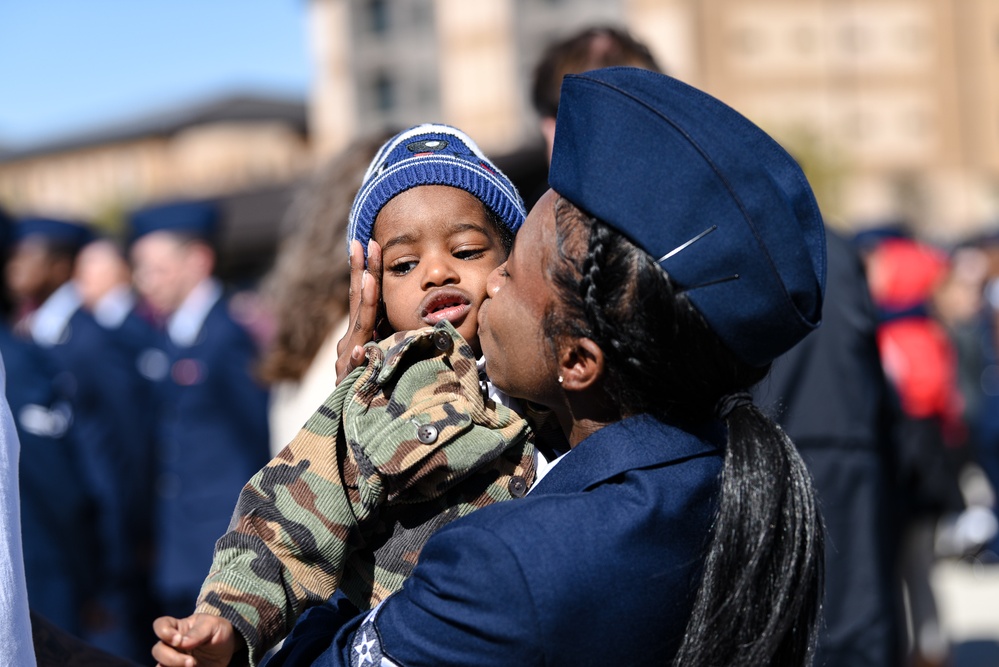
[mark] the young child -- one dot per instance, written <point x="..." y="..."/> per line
<point x="409" y="441"/>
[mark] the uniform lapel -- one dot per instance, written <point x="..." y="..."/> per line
<point x="636" y="442"/>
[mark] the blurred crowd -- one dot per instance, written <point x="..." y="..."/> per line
<point x="145" y="395"/>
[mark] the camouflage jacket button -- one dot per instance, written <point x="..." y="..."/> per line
<point x="442" y="341"/>
<point x="427" y="434"/>
<point x="517" y="486"/>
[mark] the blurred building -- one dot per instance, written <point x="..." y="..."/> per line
<point x="244" y="151"/>
<point x="892" y="105"/>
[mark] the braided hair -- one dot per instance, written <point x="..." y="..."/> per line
<point x="759" y="597"/>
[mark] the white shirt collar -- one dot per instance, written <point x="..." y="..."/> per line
<point x="112" y="308"/>
<point x="185" y="324"/>
<point x="544" y="466"/>
<point x="48" y="323"/>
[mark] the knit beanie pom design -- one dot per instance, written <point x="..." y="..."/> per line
<point x="431" y="154"/>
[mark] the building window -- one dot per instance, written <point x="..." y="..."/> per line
<point x="422" y="16"/>
<point x="378" y="17"/>
<point x="384" y="93"/>
<point x="426" y="95"/>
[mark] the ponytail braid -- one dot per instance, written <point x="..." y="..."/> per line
<point x="758" y="603"/>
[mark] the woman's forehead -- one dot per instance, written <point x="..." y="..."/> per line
<point x="538" y="232"/>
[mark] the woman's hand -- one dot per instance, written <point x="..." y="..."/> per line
<point x="200" y="640"/>
<point x="365" y="294"/>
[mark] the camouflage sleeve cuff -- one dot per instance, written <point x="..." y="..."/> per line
<point x="258" y="622"/>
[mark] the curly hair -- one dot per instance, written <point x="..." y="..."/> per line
<point x="307" y="288"/>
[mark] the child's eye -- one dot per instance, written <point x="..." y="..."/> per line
<point x="402" y="268"/>
<point x="473" y="253"/>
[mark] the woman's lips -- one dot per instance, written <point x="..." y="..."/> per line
<point x="450" y="305"/>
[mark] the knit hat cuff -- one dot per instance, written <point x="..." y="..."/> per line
<point x="432" y="155"/>
<point x="442" y="170"/>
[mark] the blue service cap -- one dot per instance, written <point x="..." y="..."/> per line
<point x="65" y="232"/>
<point x="198" y="219"/>
<point x="726" y="211"/>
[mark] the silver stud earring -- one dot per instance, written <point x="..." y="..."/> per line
<point x="560" y="379"/>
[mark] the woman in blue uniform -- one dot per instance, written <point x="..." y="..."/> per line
<point x="679" y="252"/>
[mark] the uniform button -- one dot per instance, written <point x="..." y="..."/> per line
<point x="442" y="341"/>
<point x="427" y="434"/>
<point x="517" y="486"/>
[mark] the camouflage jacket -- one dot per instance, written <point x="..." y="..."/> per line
<point x="405" y="444"/>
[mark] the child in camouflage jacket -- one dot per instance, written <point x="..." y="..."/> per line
<point x="409" y="441"/>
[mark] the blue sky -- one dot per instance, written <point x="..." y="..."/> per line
<point x="68" y="65"/>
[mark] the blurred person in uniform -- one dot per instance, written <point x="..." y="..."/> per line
<point x="211" y="420"/>
<point x="58" y="512"/>
<point x="921" y="365"/>
<point x="830" y="395"/>
<point x="102" y="278"/>
<point x="307" y="291"/>
<point x="55" y="511"/>
<point x="959" y="304"/>
<point x="986" y="425"/>
<point x="95" y="374"/>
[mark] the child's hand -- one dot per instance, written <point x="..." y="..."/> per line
<point x="200" y="640"/>
<point x="365" y="294"/>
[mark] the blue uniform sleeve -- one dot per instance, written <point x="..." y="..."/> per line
<point x="467" y="603"/>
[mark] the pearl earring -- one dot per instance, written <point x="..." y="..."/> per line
<point x="560" y="379"/>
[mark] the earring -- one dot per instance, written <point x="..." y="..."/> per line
<point x="560" y="379"/>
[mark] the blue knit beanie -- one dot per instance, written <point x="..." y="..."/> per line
<point x="431" y="155"/>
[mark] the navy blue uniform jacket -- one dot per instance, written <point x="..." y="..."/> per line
<point x="598" y="565"/>
<point x="213" y="436"/>
<point x="58" y="518"/>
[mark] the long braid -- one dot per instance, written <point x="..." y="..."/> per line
<point x="759" y="598"/>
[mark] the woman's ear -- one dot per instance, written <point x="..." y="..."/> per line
<point x="581" y="364"/>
